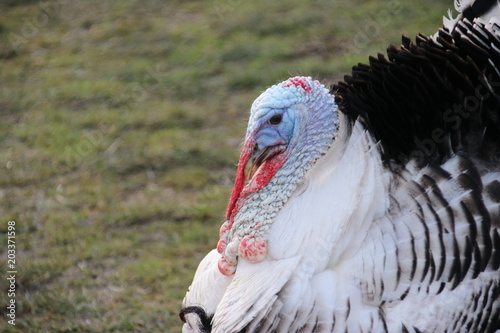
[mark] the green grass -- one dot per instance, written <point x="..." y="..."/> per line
<point x="120" y="125"/>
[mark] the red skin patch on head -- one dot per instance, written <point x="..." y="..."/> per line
<point x="299" y="81"/>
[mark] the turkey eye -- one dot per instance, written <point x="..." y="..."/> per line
<point x="276" y="119"/>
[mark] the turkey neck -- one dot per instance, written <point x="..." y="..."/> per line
<point x="334" y="206"/>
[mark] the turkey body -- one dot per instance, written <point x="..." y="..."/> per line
<point x="428" y="261"/>
<point x="374" y="207"/>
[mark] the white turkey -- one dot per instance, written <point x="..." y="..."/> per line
<point x="372" y="207"/>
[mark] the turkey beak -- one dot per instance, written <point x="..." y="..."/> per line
<point x="258" y="157"/>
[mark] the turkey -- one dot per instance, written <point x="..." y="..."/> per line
<point x="370" y="207"/>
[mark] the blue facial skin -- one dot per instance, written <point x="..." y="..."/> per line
<point x="276" y="128"/>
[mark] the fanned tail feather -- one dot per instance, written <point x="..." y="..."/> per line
<point x="433" y="98"/>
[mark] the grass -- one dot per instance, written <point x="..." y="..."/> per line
<point x="120" y="125"/>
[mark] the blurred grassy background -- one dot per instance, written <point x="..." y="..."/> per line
<point x="120" y="125"/>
